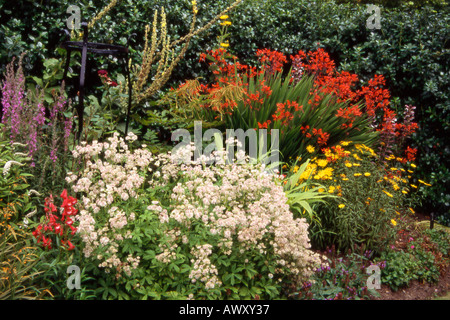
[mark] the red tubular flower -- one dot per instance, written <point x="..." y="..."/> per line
<point x="73" y="229"/>
<point x="51" y="226"/>
<point x="47" y="242"/>
<point x="71" y="246"/>
<point x="58" y="229"/>
<point x="37" y="233"/>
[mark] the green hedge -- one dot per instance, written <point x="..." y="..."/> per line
<point x="411" y="50"/>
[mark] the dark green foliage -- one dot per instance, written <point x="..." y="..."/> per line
<point x="404" y="266"/>
<point x="411" y="50"/>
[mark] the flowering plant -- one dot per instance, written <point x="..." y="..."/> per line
<point x="53" y="225"/>
<point x="249" y="97"/>
<point x="109" y="181"/>
<point x="341" y="279"/>
<point x="39" y="118"/>
<point x="233" y="224"/>
<point x="197" y="232"/>
<point x="370" y="198"/>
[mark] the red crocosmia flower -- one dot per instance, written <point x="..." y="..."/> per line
<point x="410" y="154"/>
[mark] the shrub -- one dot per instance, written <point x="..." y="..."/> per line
<point x="343" y="278"/>
<point x="39" y="122"/>
<point x="370" y="198"/>
<point x="404" y="266"/>
<point x="198" y="232"/>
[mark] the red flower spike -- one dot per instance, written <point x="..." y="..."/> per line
<point x="43" y="233"/>
<point x="71" y="246"/>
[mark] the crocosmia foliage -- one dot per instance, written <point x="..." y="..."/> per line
<point x="311" y="104"/>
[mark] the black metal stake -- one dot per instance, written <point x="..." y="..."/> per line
<point x="99" y="48"/>
<point x="431" y="220"/>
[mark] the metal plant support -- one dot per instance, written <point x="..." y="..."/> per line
<point x="100" y="49"/>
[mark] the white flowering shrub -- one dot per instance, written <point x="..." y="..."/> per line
<point x="194" y="231"/>
<point x="109" y="183"/>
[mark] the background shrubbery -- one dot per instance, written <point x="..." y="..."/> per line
<point x="411" y="50"/>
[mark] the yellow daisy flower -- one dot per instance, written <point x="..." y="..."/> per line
<point x="388" y="194"/>
<point x="322" y="162"/>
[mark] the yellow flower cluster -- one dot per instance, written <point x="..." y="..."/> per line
<point x="225" y="23"/>
<point x="362" y="148"/>
<point x="396" y="176"/>
<point x="393" y="184"/>
<point x="194" y="7"/>
<point x="316" y="169"/>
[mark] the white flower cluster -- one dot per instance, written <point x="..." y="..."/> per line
<point x="8" y="165"/>
<point x="169" y="247"/>
<point x="111" y="175"/>
<point x="245" y="207"/>
<point x="203" y="270"/>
